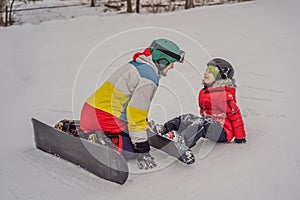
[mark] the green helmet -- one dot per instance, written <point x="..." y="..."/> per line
<point x="165" y="52"/>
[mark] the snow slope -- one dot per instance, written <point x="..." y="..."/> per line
<point x="39" y="65"/>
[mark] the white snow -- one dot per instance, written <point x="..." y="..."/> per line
<point x="41" y="66"/>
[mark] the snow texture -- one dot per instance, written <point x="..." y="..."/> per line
<point x="48" y="70"/>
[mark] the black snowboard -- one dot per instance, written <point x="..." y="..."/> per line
<point x="100" y="160"/>
<point x="166" y="145"/>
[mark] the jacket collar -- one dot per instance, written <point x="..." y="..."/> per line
<point x="223" y="83"/>
<point x="147" y="60"/>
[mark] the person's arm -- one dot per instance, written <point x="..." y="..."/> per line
<point x="235" y="117"/>
<point x="137" y="111"/>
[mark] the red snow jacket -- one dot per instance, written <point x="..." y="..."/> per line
<point x="219" y="103"/>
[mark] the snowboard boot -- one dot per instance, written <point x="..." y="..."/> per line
<point x="97" y="137"/>
<point x="67" y="126"/>
<point x="101" y="138"/>
<point x="161" y="130"/>
<point x="187" y="157"/>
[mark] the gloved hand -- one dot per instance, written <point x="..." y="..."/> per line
<point x="240" y="141"/>
<point x="145" y="161"/>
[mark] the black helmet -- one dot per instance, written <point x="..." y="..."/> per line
<point x="226" y="70"/>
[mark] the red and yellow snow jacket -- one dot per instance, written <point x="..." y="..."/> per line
<point x="219" y="103"/>
<point x="123" y="101"/>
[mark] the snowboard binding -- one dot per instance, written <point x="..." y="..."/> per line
<point x="186" y="155"/>
<point x="67" y="126"/>
<point x="71" y="127"/>
<point x="97" y="137"/>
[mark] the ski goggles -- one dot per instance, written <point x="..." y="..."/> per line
<point x="214" y="70"/>
<point x="179" y="57"/>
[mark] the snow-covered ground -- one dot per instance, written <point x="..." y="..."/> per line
<point x="48" y="69"/>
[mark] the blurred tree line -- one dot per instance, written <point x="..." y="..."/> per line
<point x="155" y="6"/>
<point x="7" y="8"/>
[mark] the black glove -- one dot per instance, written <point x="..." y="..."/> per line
<point x="240" y="141"/>
<point x="145" y="161"/>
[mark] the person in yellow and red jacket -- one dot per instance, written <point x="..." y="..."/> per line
<point x="119" y="108"/>
<point x="220" y="119"/>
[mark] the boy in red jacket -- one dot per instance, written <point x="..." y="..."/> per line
<point x="220" y="119"/>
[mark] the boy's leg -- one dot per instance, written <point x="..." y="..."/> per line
<point x="172" y="124"/>
<point x="215" y="132"/>
<point x="189" y="126"/>
<point x="193" y="133"/>
<point x="181" y="122"/>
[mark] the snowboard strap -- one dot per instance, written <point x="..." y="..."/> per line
<point x="116" y="140"/>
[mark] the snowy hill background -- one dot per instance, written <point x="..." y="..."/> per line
<point x="41" y="66"/>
